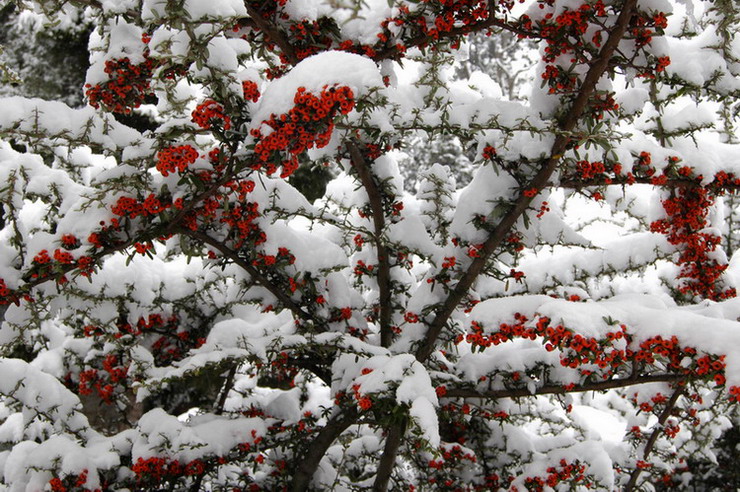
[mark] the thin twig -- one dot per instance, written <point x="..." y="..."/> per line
<point x="672" y="183"/>
<point x="393" y="52"/>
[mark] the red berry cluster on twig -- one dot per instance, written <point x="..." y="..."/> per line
<point x="178" y="158"/>
<point x="685" y="226"/>
<point x="209" y="114"/>
<point x="126" y="88"/>
<point x="309" y="124"/>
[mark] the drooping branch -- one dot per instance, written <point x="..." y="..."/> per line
<point x="384" y="266"/>
<point x="155" y="232"/>
<point x="598" y="66"/>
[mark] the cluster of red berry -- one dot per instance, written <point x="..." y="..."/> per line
<point x="105" y="381"/>
<point x="72" y="482"/>
<point x="309" y="124"/>
<point x="44" y="265"/>
<point x="452" y="456"/>
<point x="177" y="158"/>
<point x="575" y="473"/>
<point x="250" y="91"/>
<point x="126" y="88"/>
<point x="157" y="469"/>
<point x="209" y="114"/>
<point x="685" y="226"/>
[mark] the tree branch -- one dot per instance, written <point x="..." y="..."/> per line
<point x="317" y="448"/>
<point x="384" y="266"/>
<point x="540" y="180"/>
<point x="393" y="52"/>
<point x="654" y="436"/>
<point x="552" y="389"/>
<point x="255" y="274"/>
<point x="87" y="3"/>
<point x="273" y="33"/>
<point x="388" y="459"/>
<point x="228" y="384"/>
<point x="576" y="184"/>
<point x="315" y="365"/>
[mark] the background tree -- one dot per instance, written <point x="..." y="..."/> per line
<point x="177" y="316"/>
<point x="50" y="61"/>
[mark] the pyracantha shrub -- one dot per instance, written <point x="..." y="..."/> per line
<point x="176" y="315"/>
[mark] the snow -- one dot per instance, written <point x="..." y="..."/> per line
<point x="425" y="417"/>
<point x="42" y="395"/>
<point x="693" y="60"/>
<point x="484" y="196"/>
<point x="62" y="123"/>
<point x="314" y="73"/>
<point x="364" y="26"/>
<point x="221" y="54"/>
<point x="588" y="266"/>
<point x="411" y="232"/>
<point x="210" y="434"/>
<point x="169" y="42"/>
<point x="691" y="116"/>
<point x="203" y="9"/>
<point x="632" y="100"/>
<point x="312" y="253"/>
<point x="303" y="9"/>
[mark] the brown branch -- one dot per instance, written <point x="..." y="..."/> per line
<point x="272" y="33"/>
<point x="228" y="384"/>
<point x="552" y="389"/>
<point x="397" y="430"/>
<point x="190" y="206"/>
<point x="540" y="180"/>
<point x="384" y="265"/>
<point x="254" y="273"/>
<point x="388" y="459"/>
<point x="654" y="436"/>
<point x="393" y="52"/>
<point x="316" y="449"/>
<point x="87" y="3"/>
<point x="315" y="364"/>
<point x="577" y="184"/>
